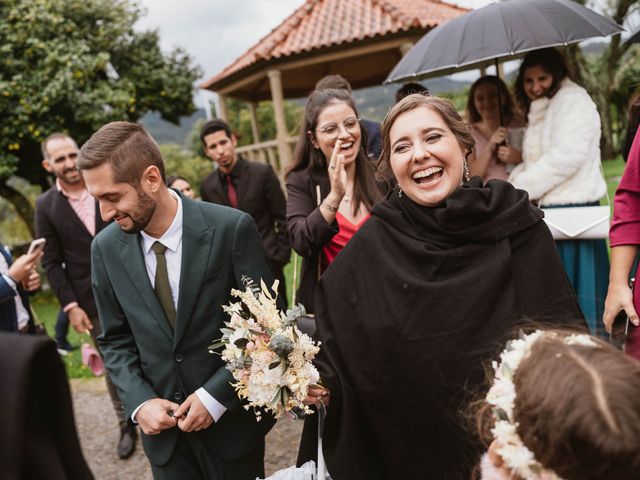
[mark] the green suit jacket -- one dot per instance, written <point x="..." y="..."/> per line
<point x="144" y="356"/>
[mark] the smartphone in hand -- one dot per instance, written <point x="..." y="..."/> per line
<point x="619" y="331"/>
<point x="37" y="245"/>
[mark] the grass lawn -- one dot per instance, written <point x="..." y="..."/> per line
<point x="612" y="172"/>
<point x="46" y="307"/>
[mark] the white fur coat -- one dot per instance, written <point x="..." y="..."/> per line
<point x="561" y="149"/>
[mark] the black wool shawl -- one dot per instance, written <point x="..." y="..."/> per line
<point x="408" y="314"/>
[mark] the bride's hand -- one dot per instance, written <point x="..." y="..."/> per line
<point x="316" y="394"/>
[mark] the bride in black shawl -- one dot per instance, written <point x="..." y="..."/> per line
<point x="420" y="298"/>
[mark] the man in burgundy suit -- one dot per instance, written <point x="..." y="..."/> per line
<point x="68" y="218"/>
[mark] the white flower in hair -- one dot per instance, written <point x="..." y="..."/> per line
<point x="502" y="395"/>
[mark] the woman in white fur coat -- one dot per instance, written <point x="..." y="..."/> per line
<point x="561" y="166"/>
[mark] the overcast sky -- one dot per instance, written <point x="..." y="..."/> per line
<point x="216" y="32"/>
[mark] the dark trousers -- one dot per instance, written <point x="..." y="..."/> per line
<point x="62" y="326"/>
<point x="193" y="459"/>
<point x="111" y="388"/>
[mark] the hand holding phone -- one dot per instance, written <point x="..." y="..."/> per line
<point x="619" y="330"/>
<point x="36" y="246"/>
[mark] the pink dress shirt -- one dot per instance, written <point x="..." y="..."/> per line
<point x="84" y="205"/>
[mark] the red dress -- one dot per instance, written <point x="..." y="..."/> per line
<point x="347" y="229"/>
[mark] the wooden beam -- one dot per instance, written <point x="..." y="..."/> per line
<point x="393" y="44"/>
<point x="223" y="112"/>
<point x="284" y="152"/>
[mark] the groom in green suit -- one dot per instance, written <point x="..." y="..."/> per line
<point x="161" y="273"/>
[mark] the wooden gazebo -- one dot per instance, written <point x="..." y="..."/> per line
<point x="359" y="39"/>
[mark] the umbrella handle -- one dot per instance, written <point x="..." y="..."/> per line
<point x="499" y="95"/>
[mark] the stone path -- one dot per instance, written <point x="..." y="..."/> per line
<point x="98" y="431"/>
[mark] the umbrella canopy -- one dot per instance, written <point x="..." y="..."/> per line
<point x="634" y="38"/>
<point x="502" y="30"/>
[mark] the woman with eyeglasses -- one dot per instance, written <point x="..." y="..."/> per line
<point x="331" y="185"/>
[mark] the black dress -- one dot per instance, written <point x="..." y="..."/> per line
<point x="408" y="314"/>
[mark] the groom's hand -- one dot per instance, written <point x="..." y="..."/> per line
<point x="155" y="416"/>
<point x="193" y="415"/>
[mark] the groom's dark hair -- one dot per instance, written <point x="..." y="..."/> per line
<point x="126" y="147"/>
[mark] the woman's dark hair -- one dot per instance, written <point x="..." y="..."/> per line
<point x="633" y="122"/>
<point x="577" y="409"/>
<point x="552" y="62"/>
<point x="442" y="107"/>
<point x="173" y="178"/>
<point x="306" y="156"/>
<point x="508" y="105"/>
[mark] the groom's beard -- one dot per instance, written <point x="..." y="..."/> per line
<point x="488" y="470"/>
<point x="141" y="217"/>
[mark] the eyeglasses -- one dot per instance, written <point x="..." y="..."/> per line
<point x="332" y="130"/>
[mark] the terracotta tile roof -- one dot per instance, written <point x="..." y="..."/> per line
<point x="319" y="24"/>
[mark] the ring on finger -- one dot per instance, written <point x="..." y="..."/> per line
<point x="332" y="166"/>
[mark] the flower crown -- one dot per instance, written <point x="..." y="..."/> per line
<point x="502" y="395"/>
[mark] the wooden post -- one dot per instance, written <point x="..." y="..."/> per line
<point x="253" y="110"/>
<point x="223" y="111"/>
<point x="275" y="83"/>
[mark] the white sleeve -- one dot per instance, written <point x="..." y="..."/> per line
<point x="215" y="408"/>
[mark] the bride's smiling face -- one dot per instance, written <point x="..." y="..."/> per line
<point x="425" y="156"/>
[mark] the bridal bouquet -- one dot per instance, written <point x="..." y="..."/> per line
<point x="270" y="359"/>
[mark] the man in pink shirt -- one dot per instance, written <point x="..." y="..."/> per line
<point x="67" y="217"/>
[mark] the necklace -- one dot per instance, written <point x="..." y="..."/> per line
<point x="347" y="197"/>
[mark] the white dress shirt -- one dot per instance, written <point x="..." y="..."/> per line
<point x="172" y="239"/>
<point x="21" y="312"/>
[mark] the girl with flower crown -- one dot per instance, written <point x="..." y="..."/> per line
<point x="562" y="406"/>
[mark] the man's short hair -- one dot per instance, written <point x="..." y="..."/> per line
<point x="409" y="89"/>
<point x="213" y="126"/>
<point x="53" y="136"/>
<point x="333" y="81"/>
<point x="126" y="147"/>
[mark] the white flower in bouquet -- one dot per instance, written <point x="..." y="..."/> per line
<point x="269" y="358"/>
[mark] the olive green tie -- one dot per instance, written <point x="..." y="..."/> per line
<point x="162" y="287"/>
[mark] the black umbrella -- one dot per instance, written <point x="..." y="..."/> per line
<point x="634" y="38"/>
<point x="502" y="30"/>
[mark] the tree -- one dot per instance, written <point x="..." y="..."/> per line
<point x="184" y="163"/>
<point x="73" y="65"/>
<point x="609" y="78"/>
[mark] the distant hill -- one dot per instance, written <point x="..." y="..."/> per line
<point x="374" y="102"/>
<point x="167" y="132"/>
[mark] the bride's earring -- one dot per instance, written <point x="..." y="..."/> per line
<point x="465" y="167"/>
<point x="399" y="192"/>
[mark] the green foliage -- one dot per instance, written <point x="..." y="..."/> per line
<point x="240" y="120"/>
<point x="184" y="163"/>
<point x="610" y="77"/>
<point x="46" y="308"/>
<point x="13" y="231"/>
<point x="73" y="65"/>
